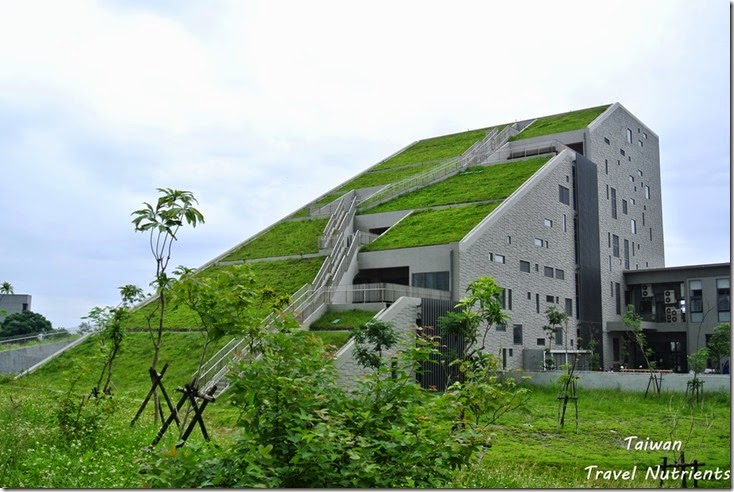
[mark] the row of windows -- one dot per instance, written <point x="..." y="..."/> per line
<point x="547" y="271"/>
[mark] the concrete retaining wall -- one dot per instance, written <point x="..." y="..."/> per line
<point x="633" y="381"/>
<point x="21" y="359"/>
<point x="402" y="315"/>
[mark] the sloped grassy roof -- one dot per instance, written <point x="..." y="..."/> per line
<point x="432" y="226"/>
<point x="479" y="183"/>
<point x="284" y="239"/>
<point x="564" y="122"/>
<point x="417" y="158"/>
<point x="284" y="276"/>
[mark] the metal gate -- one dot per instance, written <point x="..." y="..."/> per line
<point x="436" y="373"/>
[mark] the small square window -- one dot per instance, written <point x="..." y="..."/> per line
<point x="538" y="242"/>
<point x="547" y="222"/>
<point x="525" y="266"/>
<point x="621" y="151"/>
<point x="540" y="341"/>
<point x="548" y="272"/>
<point x="550" y="299"/>
<point x="606" y="140"/>
<point x="560" y="274"/>
<point x="499" y="258"/>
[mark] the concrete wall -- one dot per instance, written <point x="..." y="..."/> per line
<point x="402" y="314"/>
<point x="21" y="359"/>
<point x="614" y="171"/>
<point x="511" y="231"/>
<point x="15" y="303"/>
<point x="633" y="381"/>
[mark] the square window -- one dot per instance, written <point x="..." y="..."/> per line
<point x="548" y="272"/>
<point x="540" y="341"/>
<point x="560" y="274"/>
<point x="525" y="266"/>
<point x="550" y="299"/>
<point x="547" y="222"/>
<point x="539" y="242"/>
<point x="499" y="258"/>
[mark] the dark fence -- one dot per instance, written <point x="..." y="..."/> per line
<point x="437" y="374"/>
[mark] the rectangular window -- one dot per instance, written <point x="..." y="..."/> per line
<point x="509" y="299"/>
<point x="517" y="334"/>
<point x="615" y="245"/>
<point x="540" y="341"/>
<point x="537" y="303"/>
<point x="569" y="306"/>
<point x="539" y="242"/>
<point x="639" y="142"/>
<point x="606" y="140"/>
<point x="629" y="135"/>
<point x="614" y="203"/>
<point x="560" y="274"/>
<point x="722" y="300"/>
<point x="565" y="228"/>
<point x="633" y="226"/>
<point x="548" y="272"/>
<point x="559" y="337"/>
<point x="647" y="192"/>
<point x="497" y="258"/>
<point x="621" y="151"/>
<point x="631" y="178"/>
<point x="626" y="254"/>
<point x="547" y="222"/>
<point x="606" y="166"/>
<point x="564" y="196"/>
<point x="431" y="280"/>
<point x="501" y="327"/>
<point x="618" y="297"/>
<point x="525" y="266"/>
<point x="549" y="299"/>
<point x="695" y="294"/>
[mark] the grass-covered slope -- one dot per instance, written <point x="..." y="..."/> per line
<point x="284" y="276"/>
<point x="419" y="157"/>
<point x="476" y="184"/>
<point x="432" y="226"/>
<point x="565" y="122"/>
<point x="284" y="239"/>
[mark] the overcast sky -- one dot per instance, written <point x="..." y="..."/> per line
<point x="258" y="107"/>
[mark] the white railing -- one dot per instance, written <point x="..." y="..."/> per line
<point x="338" y="222"/>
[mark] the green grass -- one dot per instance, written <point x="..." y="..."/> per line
<point x="529" y="452"/>
<point x="565" y="122"/>
<point x="284" y="276"/>
<point x="429" y="227"/>
<point x="477" y="183"/>
<point x="344" y="320"/>
<point x="336" y="338"/>
<point x="434" y="148"/>
<point x="284" y="239"/>
<point x="378" y="178"/>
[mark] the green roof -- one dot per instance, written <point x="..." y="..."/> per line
<point x="432" y="226"/>
<point x="480" y="183"/>
<point x="284" y="239"/>
<point x="559" y="123"/>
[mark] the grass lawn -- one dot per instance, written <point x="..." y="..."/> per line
<point x="529" y="451"/>
<point x="575" y="120"/>
<point x="344" y="320"/>
<point x="472" y="185"/>
<point x="428" y="227"/>
<point x="284" y="239"/>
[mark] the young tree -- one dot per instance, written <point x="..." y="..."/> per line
<point x="5" y="289"/>
<point x="162" y="222"/>
<point x="370" y="340"/>
<point x="109" y="322"/>
<point x="720" y="344"/>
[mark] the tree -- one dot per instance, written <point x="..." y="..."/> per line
<point x="370" y="340"/>
<point x="5" y="289"/>
<point x="557" y="322"/>
<point x="108" y="321"/>
<point x="720" y="344"/>
<point x="25" y="323"/>
<point x="162" y="222"/>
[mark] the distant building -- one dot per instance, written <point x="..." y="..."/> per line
<point x="14" y="303"/>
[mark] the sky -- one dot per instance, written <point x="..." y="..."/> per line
<point x="259" y="107"/>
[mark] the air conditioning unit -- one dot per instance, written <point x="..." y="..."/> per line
<point x="671" y="315"/>
<point x="646" y="290"/>
<point x="669" y="296"/>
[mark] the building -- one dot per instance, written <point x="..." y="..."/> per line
<point x="14" y="303"/>
<point x="562" y="210"/>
